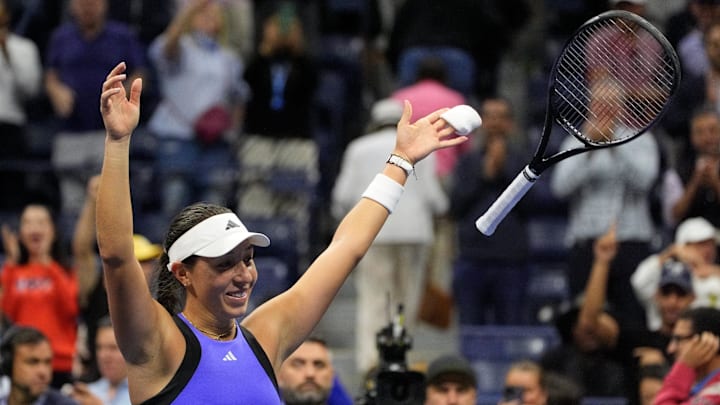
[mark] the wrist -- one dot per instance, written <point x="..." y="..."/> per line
<point x="385" y="191"/>
<point x="402" y="162"/>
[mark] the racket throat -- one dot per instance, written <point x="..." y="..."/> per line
<point x="529" y="174"/>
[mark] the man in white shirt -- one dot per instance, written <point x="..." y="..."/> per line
<point x="20" y="80"/>
<point x="696" y="245"/>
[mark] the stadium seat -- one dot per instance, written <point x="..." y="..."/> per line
<point x="546" y="236"/>
<point x="492" y="349"/>
<point x="273" y="279"/>
<point x="547" y="290"/>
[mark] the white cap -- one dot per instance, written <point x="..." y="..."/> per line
<point x="384" y="112"/>
<point x="696" y="229"/>
<point x="463" y="118"/>
<point x="214" y="237"/>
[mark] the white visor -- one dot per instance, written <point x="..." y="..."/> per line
<point x="214" y="237"/>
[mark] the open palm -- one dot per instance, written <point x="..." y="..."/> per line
<point x="120" y="113"/>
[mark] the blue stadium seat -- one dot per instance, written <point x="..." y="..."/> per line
<point x="273" y="279"/>
<point x="283" y="234"/>
<point x="547" y="290"/>
<point x="152" y="225"/>
<point x="546" y="236"/>
<point x="492" y="349"/>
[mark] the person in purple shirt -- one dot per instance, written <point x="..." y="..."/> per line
<point x="80" y="53"/>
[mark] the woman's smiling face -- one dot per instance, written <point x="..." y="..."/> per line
<point x="224" y="283"/>
<point x="37" y="231"/>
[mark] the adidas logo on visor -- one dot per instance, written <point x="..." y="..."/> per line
<point x="231" y="225"/>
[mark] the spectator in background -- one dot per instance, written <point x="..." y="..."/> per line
<point x="308" y="377"/>
<point x="583" y="358"/>
<point x="429" y="92"/>
<point x="690" y="47"/>
<point x="197" y="72"/>
<point x="278" y="140"/>
<point x="650" y="382"/>
<point x="20" y="80"/>
<point x="471" y="37"/>
<point x="489" y="274"/>
<point x="632" y="345"/>
<point x="524" y="385"/>
<point x="561" y="390"/>
<point x="695" y="344"/>
<point x="36" y="19"/>
<point x="112" y="386"/>
<point x="450" y="380"/>
<point x="695" y="94"/>
<point x="79" y="55"/>
<point x="40" y="286"/>
<point x="147" y="19"/>
<point x="396" y="261"/>
<point x="604" y="187"/>
<point x="695" y="188"/>
<point x="27" y="360"/>
<point x="696" y="245"/>
<point x="282" y="77"/>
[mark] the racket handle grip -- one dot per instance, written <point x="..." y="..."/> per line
<point x="507" y="200"/>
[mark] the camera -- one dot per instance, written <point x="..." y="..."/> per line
<point x="392" y="383"/>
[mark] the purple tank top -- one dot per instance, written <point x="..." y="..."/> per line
<point x="227" y="372"/>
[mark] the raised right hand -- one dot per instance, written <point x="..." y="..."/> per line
<point x="120" y="114"/>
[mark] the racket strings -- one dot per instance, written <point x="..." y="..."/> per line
<point x="629" y="93"/>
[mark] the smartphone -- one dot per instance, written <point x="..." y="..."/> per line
<point x="513" y="395"/>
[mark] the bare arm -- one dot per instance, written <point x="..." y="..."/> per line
<point x="61" y="96"/>
<point x="278" y="325"/>
<point x="591" y="311"/>
<point x="148" y="338"/>
<point x="83" y="244"/>
<point x="179" y="25"/>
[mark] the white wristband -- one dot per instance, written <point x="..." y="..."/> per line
<point x="385" y="191"/>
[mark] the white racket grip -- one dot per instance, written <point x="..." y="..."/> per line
<point x="507" y="200"/>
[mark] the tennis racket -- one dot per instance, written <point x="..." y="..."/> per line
<point x="613" y="79"/>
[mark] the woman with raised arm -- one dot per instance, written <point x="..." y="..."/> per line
<point x="207" y="274"/>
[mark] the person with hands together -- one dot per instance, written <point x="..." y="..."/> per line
<point x="40" y="285"/>
<point x="207" y="272"/>
<point x="695" y="376"/>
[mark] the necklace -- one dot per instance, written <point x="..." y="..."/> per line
<point x="213" y="335"/>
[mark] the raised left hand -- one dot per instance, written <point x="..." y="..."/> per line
<point x="417" y="140"/>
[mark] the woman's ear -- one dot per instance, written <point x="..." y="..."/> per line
<point x="180" y="272"/>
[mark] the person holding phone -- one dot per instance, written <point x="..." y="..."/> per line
<point x="524" y="385"/>
<point x="695" y="376"/>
